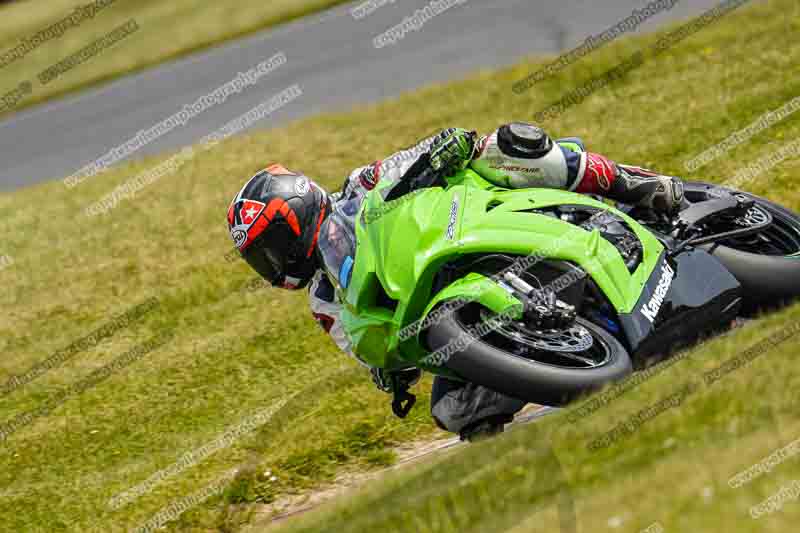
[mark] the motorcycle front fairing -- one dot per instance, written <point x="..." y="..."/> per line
<point x="402" y="244"/>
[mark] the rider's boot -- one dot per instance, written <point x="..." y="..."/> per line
<point x="630" y="185"/>
<point x="641" y="187"/>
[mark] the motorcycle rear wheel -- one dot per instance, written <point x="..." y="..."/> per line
<point x="768" y="264"/>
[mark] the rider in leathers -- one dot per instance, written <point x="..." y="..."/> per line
<point x="298" y="248"/>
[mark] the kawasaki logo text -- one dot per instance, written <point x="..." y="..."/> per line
<point x="650" y="309"/>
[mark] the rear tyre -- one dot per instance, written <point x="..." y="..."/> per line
<point x="767" y="264"/>
<point x="502" y="361"/>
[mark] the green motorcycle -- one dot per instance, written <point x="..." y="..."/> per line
<point x="546" y="295"/>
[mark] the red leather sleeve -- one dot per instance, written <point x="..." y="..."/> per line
<point x="598" y="176"/>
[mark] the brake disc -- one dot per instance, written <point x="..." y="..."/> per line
<point x="574" y="339"/>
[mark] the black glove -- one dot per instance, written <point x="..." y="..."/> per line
<point x="452" y="151"/>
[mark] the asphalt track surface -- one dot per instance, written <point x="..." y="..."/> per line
<point x="330" y="55"/>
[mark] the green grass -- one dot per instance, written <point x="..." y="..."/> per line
<point x="236" y="352"/>
<point x="673" y="470"/>
<point x="166" y="30"/>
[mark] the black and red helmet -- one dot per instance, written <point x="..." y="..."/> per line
<point x="275" y="222"/>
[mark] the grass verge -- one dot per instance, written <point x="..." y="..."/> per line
<point x="673" y="470"/>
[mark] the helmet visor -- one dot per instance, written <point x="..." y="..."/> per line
<point x="268" y="258"/>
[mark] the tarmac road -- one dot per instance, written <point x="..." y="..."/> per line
<point x="330" y="55"/>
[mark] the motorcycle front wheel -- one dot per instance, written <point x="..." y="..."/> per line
<point x="545" y="367"/>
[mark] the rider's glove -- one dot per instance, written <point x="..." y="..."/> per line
<point x="452" y="150"/>
<point x="395" y="381"/>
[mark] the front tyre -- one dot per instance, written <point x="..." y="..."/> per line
<point x="514" y="360"/>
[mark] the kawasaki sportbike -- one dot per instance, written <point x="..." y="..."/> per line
<point x="544" y="294"/>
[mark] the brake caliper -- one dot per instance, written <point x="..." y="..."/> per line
<point x="542" y="309"/>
